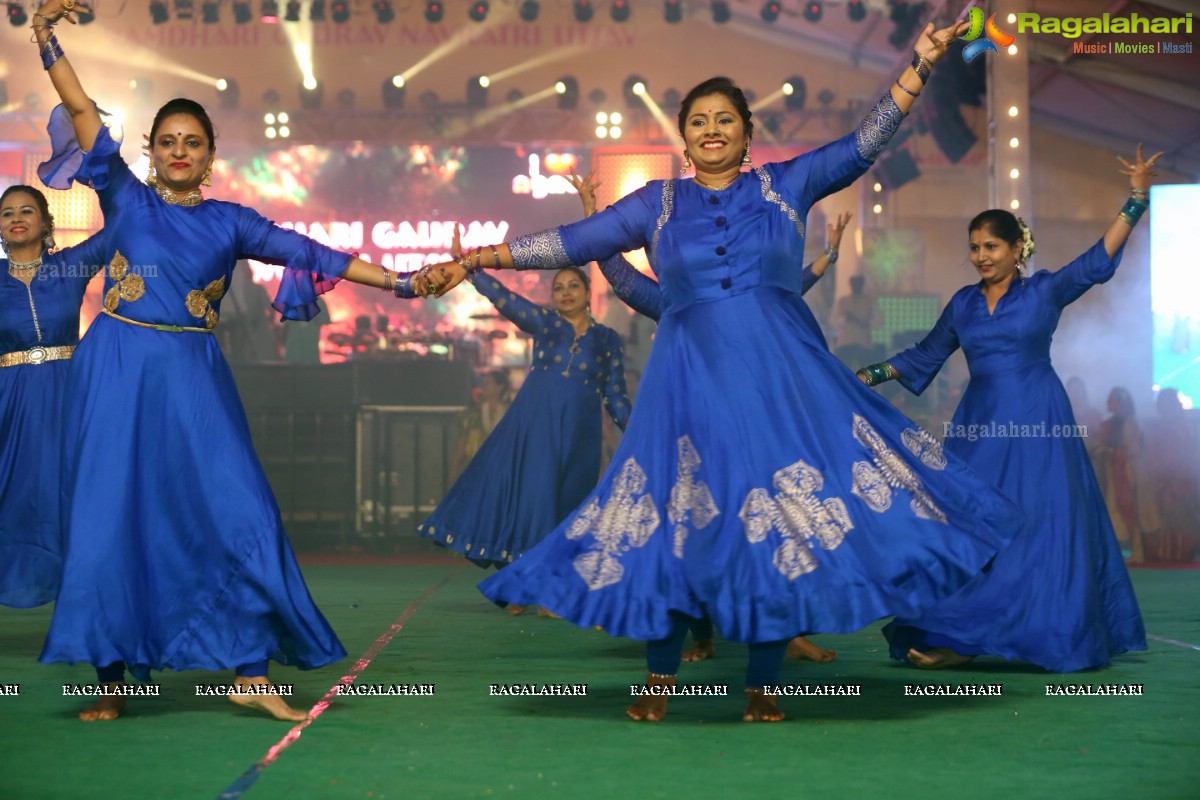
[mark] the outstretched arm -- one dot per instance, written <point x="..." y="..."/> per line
<point x="833" y="242"/>
<point x="75" y="100"/>
<point x="1140" y="172"/>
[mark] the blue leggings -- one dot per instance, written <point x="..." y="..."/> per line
<point x="115" y="672"/>
<point x="766" y="658"/>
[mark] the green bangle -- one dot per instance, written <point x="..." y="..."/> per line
<point x="878" y="373"/>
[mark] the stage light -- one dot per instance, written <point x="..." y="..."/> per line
<point x="568" y="92"/>
<point x="345" y="99"/>
<point x="856" y="10"/>
<point x="530" y="9"/>
<point x="434" y="11"/>
<point x="184" y="9"/>
<point x="584" y="11"/>
<point x="17" y="15"/>
<point x="291" y="12"/>
<point x="720" y="12"/>
<point x="635" y="87"/>
<point x="514" y="96"/>
<point x="477" y="91"/>
<point x="393" y="92"/>
<point x="158" y="13"/>
<point x="311" y="93"/>
<point x="228" y="94"/>
<point x="83" y="18"/>
<point x="619" y="10"/>
<point x="770" y="11"/>
<point x="384" y="12"/>
<point x="210" y="13"/>
<point x="672" y="11"/>
<point x="795" y="93"/>
<point x="316" y="11"/>
<point x="270" y="12"/>
<point x="813" y="10"/>
<point x="242" y="13"/>
<point x="479" y="10"/>
<point x="339" y="12"/>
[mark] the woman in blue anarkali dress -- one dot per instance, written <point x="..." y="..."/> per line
<point x="176" y="554"/>
<point x="544" y="455"/>
<point x="1059" y="595"/>
<point x="758" y="484"/>
<point x="41" y="290"/>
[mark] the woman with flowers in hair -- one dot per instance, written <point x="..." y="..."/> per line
<point x="1058" y="595"/>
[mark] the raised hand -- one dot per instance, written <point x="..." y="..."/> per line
<point x="52" y="11"/>
<point x="587" y="191"/>
<point x="1140" y="171"/>
<point x="834" y="230"/>
<point x="932" y="44"/>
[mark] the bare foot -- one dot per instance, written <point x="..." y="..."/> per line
<point x="701" y="650"/>
<point x="801" y="648"/>
<point x="108" y="707"/>
<point x="545" y="612"/>
<point x="516" y="611"/>
<point x="651" y="707"/>
<point x="938" y="658"/>
<point x="760" y="707"/>
<point x="246" y="693"/>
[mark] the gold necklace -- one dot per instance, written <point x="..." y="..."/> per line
<point x="192" y="198"/>
<point x="20" y="265"/>
<point x="721" y="188"/>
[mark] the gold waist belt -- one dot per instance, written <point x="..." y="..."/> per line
<point x="152" y="326"/>
<point x="37" y="355"/>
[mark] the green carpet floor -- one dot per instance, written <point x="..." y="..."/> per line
<point x="463" y="743"/>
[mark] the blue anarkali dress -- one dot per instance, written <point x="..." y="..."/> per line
<point x="759" y="483"/>
<point x="176" y="553"/>
<point x="1059" y="595"/>
<point x="41" y="321"/>
<point x="543" y="457"/>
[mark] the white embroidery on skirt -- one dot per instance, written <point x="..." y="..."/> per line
<point x="626" y="520"/>
<point x="921" y="444"/>
<point x="799" y="515"/>
<point x="689" y="497"/>
<point x="873" y="482"/>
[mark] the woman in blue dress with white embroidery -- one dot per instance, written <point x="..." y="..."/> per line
<point x="176" y="554"/>
<point x="41" y="290"/>
<point x="758" y="484"/>
<point x="543" y="457"/>
<point x="1059" y="595"/>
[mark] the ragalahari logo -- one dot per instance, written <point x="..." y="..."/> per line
<point x="996" y="38"/>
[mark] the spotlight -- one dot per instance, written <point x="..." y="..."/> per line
<point x="210" y="13"/>
<point x="316" y="11"/>
<point x="383" y="11"/>
<point x="434" y="11"/>
<point x="720" y="12"/>
<point x="291" y="12"/>
<point x="18" y="17"/>
<point x="158" y="13"/>
<point x="270" y="12"/>
<point x="339" y="12"/>
<point x="856" y="10"/>
<point x="477" y="91"/>
<point x="795" y="92"/>
<point x="814" y="10"/>
<point x="184" y="9"/>
<point x="568" y="92"/>
<point x="584" y="10"/>
<point x="393" y="92"/>
<point x="530" y="9"/>
<point x="770" y="11"/>
<point x="241" y="12"/>
<point x="228" y="94"/>
<point x="635" y="87"/>
<point x="620" y="10"/>
<point x="672" y="11"/>
<point x="311" y="93"/>
<point x="479" y="10"/>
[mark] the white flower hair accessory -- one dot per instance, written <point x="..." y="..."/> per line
<point x="1028" y="248"/>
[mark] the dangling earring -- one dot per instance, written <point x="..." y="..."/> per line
<point x="48" y="239"/>
<point x="746" y="162"/>
<point x="207" y="179"/>
<point x="687" y="164"/>
<point x="152" y="178"/>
